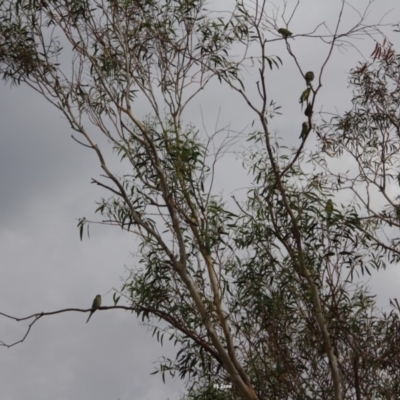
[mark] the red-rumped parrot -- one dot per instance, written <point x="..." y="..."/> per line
<point x="329" y="208"/>
<point x="96" y="304"/>
<point x="304" y="130"/>
<point x="304" y="96"/>
<point x="285" y="32"/>
<point x="309" y="77"/>
<point x="308" y="112"/>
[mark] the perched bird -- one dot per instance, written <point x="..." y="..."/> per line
<point x="304" y="96"/>
<point x="309" y="77"/>
<point x="304" y="130"/>
<point x="329" y="208"/>
<point x="285" y="32"/>
<point x="308" y="112"/>
<point x="96" y="304"/>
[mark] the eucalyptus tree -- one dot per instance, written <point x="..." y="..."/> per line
<point x="260" y="294"/>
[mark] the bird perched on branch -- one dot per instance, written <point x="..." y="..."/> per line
<point x="308" y="111"/>
<point x="304" y="96"/>
<point x="285" y="32"/>
<point x="309" y="77"/>
<point x="96" y="304"/>
<point x="329" y="208"/>
<point x="304" y="130"/>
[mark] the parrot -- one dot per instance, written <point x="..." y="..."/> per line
<point x="285" y="32"/>
<point x="304" y="96"/>
<point x="309" y="77"/>
<point x="304" y="130"/>
<point x="329" y="208"/>
<point x="308" y="112"/>
<point x="96" y="304"/>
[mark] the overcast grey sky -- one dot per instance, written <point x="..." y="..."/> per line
<point x="45" y="186"/>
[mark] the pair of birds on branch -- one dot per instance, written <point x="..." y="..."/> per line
<point x="309" y="77"/>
